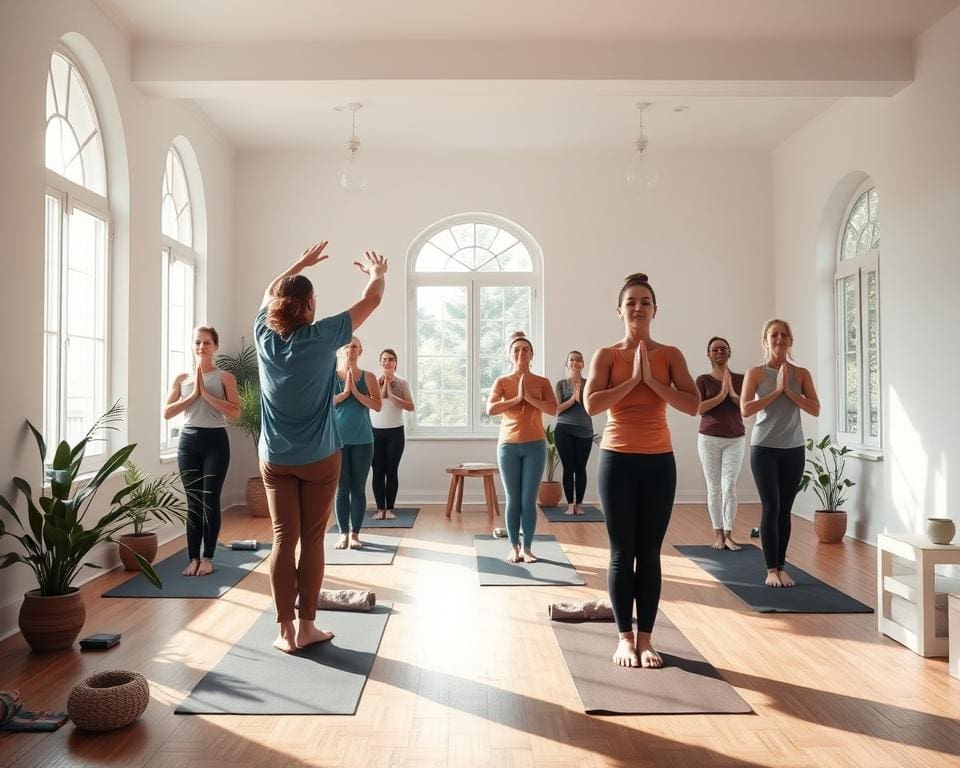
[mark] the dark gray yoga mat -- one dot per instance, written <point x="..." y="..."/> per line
<point x="687" y="683"/>
<point x="254" y="678"/>
<point x="229" y="567"/>
<point x="376" y="550"/>
<point x="591" y="514"/>
<point x="552" y="568"/>
<point x="743" y="573"/>
<point x="406" y="517"/>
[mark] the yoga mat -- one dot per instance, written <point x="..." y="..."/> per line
<point x="591" y="514"/>
<point x="229" y="567"/>
<point x="406" y="517"/>
<point x="743" y="573"/>
<point x="553" y="567"/>
<point x="254" y="678"/>
<point x="687" y="683"/>
<point x="376" y="550"/>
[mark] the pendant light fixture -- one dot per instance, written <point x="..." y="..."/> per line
<point x="352" y="174"/>
<point x="641" y="174"/>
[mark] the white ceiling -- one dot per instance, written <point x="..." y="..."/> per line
<point x="799" y="55"/>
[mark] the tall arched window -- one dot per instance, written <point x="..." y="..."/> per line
<point x="77" y="221"/>
<point x="473" y="280"/>
<point x="858" y="322"/>
<point x="179" y="264"/>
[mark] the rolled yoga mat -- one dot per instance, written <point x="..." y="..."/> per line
<point x="552" y="567"/>
<point x="229" y="567"/>
<point x="743" y="572"/>
<point x="376" y="550"/>
<point x="406" y="517"/>
<point x="254" y="678"/>
<point x="687" y="683"/>
<point x="591" y="514"/>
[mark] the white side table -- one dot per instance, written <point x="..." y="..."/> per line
<point x="953" y="611"/>
<point x="918" y="588"/>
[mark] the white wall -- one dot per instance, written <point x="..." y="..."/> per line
<point x="703" y="236"/>
<point x="144" y="128"/>
<point x="908" y="146"/>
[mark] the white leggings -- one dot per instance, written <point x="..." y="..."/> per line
<point x="722" y="458"/>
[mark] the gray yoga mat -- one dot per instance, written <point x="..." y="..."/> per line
<point x="229" y="567"/>
<point x="552" y="568"/>
<point x="376" y="550"/>
<point x="406" y="517"/>
<point x="743" y="572"/>
<point x="591" y="514"/>
<point x="687" y="683"/>
<point x="254" y="678"/>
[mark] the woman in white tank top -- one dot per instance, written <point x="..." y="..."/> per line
<point x="388" y="434"/>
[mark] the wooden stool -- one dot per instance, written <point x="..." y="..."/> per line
<point x="486" y="471"/>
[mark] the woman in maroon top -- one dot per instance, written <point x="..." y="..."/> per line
<point x="721" y="441"/>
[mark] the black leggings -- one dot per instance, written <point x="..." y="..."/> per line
<point x="203" y="452"/>
<point x="636" y="490"/>
<point x="574" y="452"/>
<point x="387" y="449"/>
<point x="777" y="473"/>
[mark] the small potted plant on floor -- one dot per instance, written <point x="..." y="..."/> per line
<point x="59" y="535"/>
<point x="160" y="500"/>
<point x="550" y="490"/>
<point x="825" y="466"/>
<point x="243" y="365"/>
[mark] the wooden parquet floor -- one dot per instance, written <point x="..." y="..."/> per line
<point x="471" y="676"/>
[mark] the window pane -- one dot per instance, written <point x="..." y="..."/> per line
<point x="83" y="389"/>
<point x="77" y="113"/>
<point x="851" y="347"/>
<point x="51" y="271"/>
<point x="61" y="145"/>
<point x="86" y="260"/>
<point x="428" y="409"/>
<point x="516" y="259"/>
<point x="60" y="71"/>
<point x="445" y="241"/>
<point x="431" y="259"/>
<point x="168" y="218"/>
<point x="441" y="356"/>
<point x="873" y="351"/>
<point x="486" y="234"/>
<point x="503" y="310"/>
<point x="51" y="389"/>
<point x="72" y="126"/>
<point x="463" y="234"/>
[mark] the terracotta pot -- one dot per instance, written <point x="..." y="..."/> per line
<point x="257" y="497"/>
<point x="830" y="527"/>
<point x="549" y="494"/>
<point x="143" y="544"/>
<point x="51" y="623"/>
<point x="941" y="530"/>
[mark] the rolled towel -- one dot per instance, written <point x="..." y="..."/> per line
<point x="346" y="600"/>
<point x="593" y="610"/>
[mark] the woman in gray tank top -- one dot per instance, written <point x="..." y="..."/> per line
<point x="207" y="398"/>
<point x="573" y="435"/>
<point x="776" y="392"/>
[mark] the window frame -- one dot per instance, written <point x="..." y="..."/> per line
<point x="859" y="267"/>
<point x="172" y="252"/>
<point x="473" y="282"/>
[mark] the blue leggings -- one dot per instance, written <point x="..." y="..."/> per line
<point x="352" y="490"/>
<point x="521" y="469"/>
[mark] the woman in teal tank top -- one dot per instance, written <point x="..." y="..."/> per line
<point x="356" y="394"/>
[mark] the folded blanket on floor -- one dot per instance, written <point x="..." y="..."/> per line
<point x="593" y="610"/>
<point x="346" y="600"/>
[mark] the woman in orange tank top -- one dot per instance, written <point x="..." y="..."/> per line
<point x="634" y="380"/>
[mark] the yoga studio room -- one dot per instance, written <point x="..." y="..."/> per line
<point x="529" y="384"/>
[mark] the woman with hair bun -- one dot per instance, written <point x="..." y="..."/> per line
<point x="776" y="392"/>
<point x="388" y="435"/>
<point x="300" y="443"/>
<point x="573" y="435"/>
<point x="635" y="379"/>
<point x="521" y="398"/>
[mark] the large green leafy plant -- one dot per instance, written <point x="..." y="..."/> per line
<point x="58" y="535"/>
<point x="160" y="499"/>
<point x="553" y="455"/>
<point x="243" y="366"/>
<point x="825" y="467"/>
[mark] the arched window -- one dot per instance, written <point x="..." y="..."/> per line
<point x="77" y="237"/>
<point x="473" y="279"/>
<point x="179" y="263"/>
<point x="858" y="322"/>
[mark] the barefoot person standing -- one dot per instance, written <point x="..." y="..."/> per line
<point x="388" y="435"/>
<point x="634" y="380"/>
<point x="299" y="443"/>
<point x="574" y="434"/>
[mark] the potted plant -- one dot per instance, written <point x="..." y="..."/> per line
<point x="550" y="491"/>
<point x="243" y="365"/>
<point x="59" y="536"/>
<point x="825" y="465"/>
<point x="160" y="500"/>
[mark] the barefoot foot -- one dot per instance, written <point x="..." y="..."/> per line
<point x="626" y="653"/>
<point x="718" y="541"/>
<point x="380" y="515"/>
<point x="206" y="567"/>
<point x="388" y="515"/>
<point x="514" y="556"/>
<point x="286" y="640"/>
<point x="310" y="634"/>
<point x="341" y="542"/>
<point x="191" y="569"/>
<point x="785" y="580"/>
<point x="578" y="509"/>
<point x="570" y="510"/>
<point x="355" y="541"/>
<point x="773" y="579"/>
<point x="529" y="557"/>
<point x="731" y="544"/>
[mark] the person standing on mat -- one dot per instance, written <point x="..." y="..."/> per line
<point x="521" y="398"/>
<point x="356" y="394"/>
<point x="721" y="440"/>
<point x="207" y="399"/>
<point x="634" y="380"/>
<point x="776" y="392"/>
<point x="299" y="442"/>
<point x="388" y="435"/>
<point x="573" y="435"/>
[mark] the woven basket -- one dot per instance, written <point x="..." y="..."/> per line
<point x="108" y="700"/>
